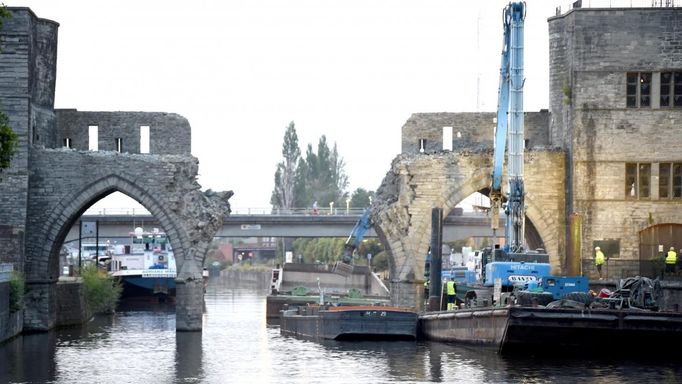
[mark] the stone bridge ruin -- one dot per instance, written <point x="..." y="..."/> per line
<point x="67" y="160"/>
<point x="419" y="181"/>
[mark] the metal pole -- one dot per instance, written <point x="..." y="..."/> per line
<point x="96" y="242"/>
<point x="80" y="235"/>
<point x="435" y="285"/>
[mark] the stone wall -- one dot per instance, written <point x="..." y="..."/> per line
<point x="28" y="49"/>
<point x="591" y="51"/>
<point x="47" y="188"/>
<point x="65" y="182"/>
<point x="169" y="133"/>
<point x="471" y="131"/>
<point x="10" y="322"/>
<point x="71" y="306"/>
<point x="417" y="183"/>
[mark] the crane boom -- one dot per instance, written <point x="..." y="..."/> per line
<point x="509" y="130"/>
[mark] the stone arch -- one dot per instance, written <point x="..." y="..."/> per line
<point x="417" y="183"/>
<point x="72" y="206"/>
<point x="165" y="184"/>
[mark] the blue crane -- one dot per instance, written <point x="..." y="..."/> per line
<point x="356" y="235"/>
<point x="344" y="266"/>
<point x="510" y="128"/>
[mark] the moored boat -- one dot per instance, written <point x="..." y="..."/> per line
<point x="350" y="322"/>
<point x="545" y="331"/>
<point x="146" y="266"/>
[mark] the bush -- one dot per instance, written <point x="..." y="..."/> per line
<point x="101" y="290"/>
<point x="16" y="291"/>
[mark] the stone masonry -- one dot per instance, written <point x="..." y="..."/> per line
<point x="50" y="184"/>
<point x="591" y="53"/>
<point x="417" y="183"/>
<point x="577" y="152"/>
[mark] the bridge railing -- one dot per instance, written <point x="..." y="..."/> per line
<point x="122" y="211"/>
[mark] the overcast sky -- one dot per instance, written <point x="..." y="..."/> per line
<point x="240" y="71"/>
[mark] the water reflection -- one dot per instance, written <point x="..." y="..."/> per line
<point x="188" y="354"/>
<point x="139" y="345"/>
<point x="28" y="359"/>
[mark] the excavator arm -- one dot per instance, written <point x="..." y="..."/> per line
<point x="509" y="130"/>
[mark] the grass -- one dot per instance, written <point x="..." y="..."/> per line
<point x="16" y="291"/>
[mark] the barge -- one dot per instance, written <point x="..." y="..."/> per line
<point x="303" y="284"/>
<point x="539" y="330"/>
<point x="350" y="322"/>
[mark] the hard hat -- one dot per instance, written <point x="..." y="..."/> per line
<point x="596" y="248"/>
<point x="672" y="248"/>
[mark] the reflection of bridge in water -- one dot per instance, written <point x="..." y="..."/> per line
<point x="118" y="223"/>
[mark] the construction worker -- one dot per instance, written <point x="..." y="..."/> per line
<point x="598" y="260"/>
<point x="426" y="289"/>
<point x="670" y="261"/>
<point x="451" y="293"/>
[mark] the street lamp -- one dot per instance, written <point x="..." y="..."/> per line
<point x="331" y="208"/>
<point x="347" y="206"/>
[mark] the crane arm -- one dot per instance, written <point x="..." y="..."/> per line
<point x="500" y="132"/>
<point x="510" y="128"/>
<point x="356" y="236"/>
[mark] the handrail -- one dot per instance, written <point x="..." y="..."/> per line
<point x="236" y="211"/>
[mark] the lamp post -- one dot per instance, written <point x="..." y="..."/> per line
<point x="347" y="206"/>
<point x="331" y="208"/>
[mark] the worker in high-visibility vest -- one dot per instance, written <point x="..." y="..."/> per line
<point x="598" y="260"/>
<point x="450" y="290"/>
<point x="670" y="261"/>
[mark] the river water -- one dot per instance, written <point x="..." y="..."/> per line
<point x="139" y="345"/>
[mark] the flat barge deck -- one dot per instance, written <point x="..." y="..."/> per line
<point x="350" y="322"/>
<point x="538" y="330"/>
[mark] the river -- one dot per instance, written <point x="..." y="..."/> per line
<point x="139" y="345"/>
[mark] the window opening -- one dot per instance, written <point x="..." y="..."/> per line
<point x="638" y="89"/>
<point x="67" y="142"/>
<point x="637" y="180"/>
<point x="422" y="145"/>
<point x="119" y="145"/>
<point x="93" y="144"/>
<point x="144" y="139"/>
<point x="447" y="138"/>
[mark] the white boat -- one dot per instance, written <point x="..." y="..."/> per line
<point x="146" y="266"/>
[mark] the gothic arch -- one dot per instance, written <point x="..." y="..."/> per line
<point x="71" y="207"/>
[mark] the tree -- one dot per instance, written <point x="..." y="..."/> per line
<point x="360" y="198"/>
<point x="8" y="142"/>
<point x="321" y="176"/>
<point x="283" y="195"/>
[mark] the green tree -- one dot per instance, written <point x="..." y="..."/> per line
<point x="8" y="141"/>
<point x="283" y="195"/>
<point x="360" y="198"/>
<point x="322" y="176"/>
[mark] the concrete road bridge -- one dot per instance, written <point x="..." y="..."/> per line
<point x="118" y="223"/>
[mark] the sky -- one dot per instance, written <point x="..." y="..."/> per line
<point x="241" y="71"/>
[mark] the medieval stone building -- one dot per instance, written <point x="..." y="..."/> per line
<point x="615" y="118"/>
<point x="67" y="160"/>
